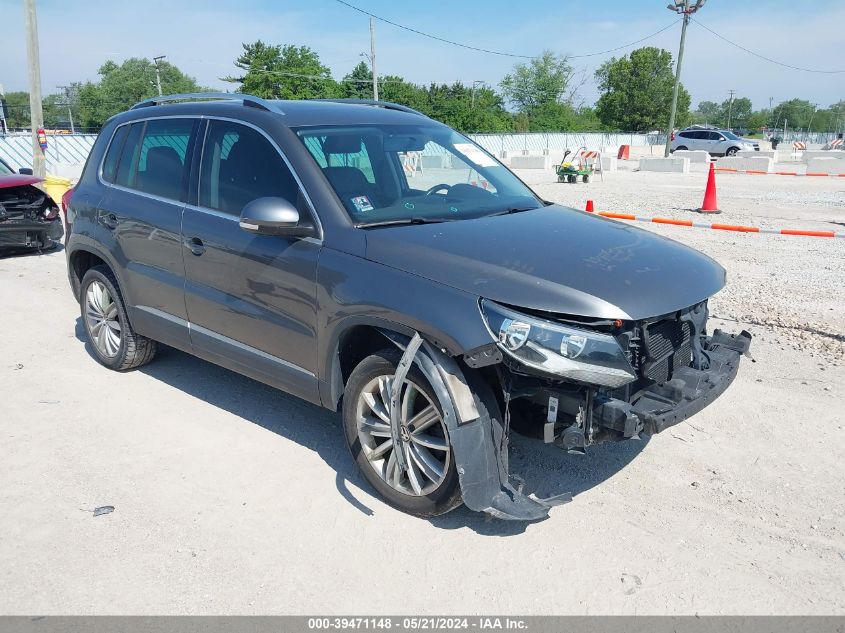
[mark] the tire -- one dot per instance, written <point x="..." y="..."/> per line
<point x="680" y="148"/>
<point x="573" y="180"/>
<point x="118" y="346"/>
<point x="586" y="178"/>
<point x="732" y="151"/>
<point x="435" y="498"/>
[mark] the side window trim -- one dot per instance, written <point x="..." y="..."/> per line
<point x="312" y="211"/>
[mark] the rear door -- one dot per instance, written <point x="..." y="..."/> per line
<point x="141" y="219"/>
<point x="251" y="299"/>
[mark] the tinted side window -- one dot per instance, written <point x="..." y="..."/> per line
<point x="714" y="136"/>
<point x="239" y="165"/>
<point x="161" y="165"/>
<point x="687" y="134"/>
<point x="125" y="175"/>
<point x="113" y="153"/>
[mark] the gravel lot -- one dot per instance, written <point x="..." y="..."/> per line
<point x="231" y="497"/>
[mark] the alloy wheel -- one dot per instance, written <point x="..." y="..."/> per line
<point x="424" y="439"/>
<point x="102" y="319"/>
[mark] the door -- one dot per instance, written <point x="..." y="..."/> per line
<point x="147" y="166"/>
<point x="251" y="299"/>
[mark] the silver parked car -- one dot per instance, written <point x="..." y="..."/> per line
<point x="716" y="142"/>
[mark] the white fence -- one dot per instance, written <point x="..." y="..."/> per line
<point x="71" y="150"/>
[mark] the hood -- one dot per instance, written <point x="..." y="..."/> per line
<point x="17" y="180"/>
<point x="554" y="259"/>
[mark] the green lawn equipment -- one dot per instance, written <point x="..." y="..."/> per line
<point x="569" y="171"/>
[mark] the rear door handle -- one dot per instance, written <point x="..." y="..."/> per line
<point x="195" y="245"/>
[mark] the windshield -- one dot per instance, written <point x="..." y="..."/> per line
<point x="413" y="173"/>
<point x="731" y="136"/>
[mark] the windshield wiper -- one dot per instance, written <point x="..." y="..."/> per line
<point x="400" y="221"/>
<point x="510" y="210"/>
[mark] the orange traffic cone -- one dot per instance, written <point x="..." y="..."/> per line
<point x="590" y="208"/>
<point x="709" y="205"/>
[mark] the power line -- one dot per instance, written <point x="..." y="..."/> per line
<point x="768" y="59"/>
<point x="487" y="50"/>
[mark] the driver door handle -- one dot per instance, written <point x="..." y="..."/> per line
<point x="195" y="245"/>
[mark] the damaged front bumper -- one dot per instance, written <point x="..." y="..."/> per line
<point x="588" y="415"/>
<point x="30" y="234"/>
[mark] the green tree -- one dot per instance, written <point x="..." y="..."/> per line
<point x="358" y="84"/>
<point x="796" y="112"/>
<point x="538" y="85"/>
<point x="736" y="114"/>
<point x="636" y="92"/>
<point x="121" y="86"/>
<point x="17" y="104"/>
<point x="283" y="72"/>
<point x="707" y="112"/>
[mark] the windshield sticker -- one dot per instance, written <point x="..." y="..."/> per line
<point x="475" y="154"/>
<point x="362" y="203"/>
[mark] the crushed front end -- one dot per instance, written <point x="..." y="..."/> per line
<point x="583" y="381"/>
<point x="29" y="218"/>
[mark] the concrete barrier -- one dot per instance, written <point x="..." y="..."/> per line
<point x="810" y="154"/>
<point x="757" y="163"/>
<point x="609" y="163"/>
<point x="827" y="165"/>
<point x="765" y="153"/>
<point x="529" y="162"/>
<point x="678" y="165"/>
<point x="695" y="156"/>
<point x="432" y="162"/>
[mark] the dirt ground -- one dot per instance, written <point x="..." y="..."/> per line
<point x="233" y="498"/>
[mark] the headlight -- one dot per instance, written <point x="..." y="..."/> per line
<point x="552" y="348"/>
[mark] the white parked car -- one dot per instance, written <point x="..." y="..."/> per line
<point x="716" y="142"/>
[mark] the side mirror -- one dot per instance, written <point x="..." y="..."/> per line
<point x="25" y="171"/>
<point x="273" y="216"/>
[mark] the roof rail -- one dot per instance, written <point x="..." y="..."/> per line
<point x="247" y="100"/>
<point x="387" y="105"/>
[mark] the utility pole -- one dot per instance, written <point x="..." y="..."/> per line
<point x="67" y="103"/>
<point x="815" y="106"/>
<point x="681" y="7"/>
<point x="158" y="73"/>
<point x="373" y="58"/>
<point x="472" y="101"/>
<point x="36" y="114"/>
<point x="730" y="107"/>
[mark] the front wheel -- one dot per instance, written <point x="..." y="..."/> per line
<point x="732" y="151"/>
<point x="429" y="486"/>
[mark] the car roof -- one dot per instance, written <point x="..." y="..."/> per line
<point x="291" y="113"/>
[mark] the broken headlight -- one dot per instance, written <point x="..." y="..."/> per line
<point x="573" y="353"/>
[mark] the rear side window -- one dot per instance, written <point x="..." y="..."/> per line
<point x="686" y="134"/>
<point x="113" y="153"/>
<point x="239" y="165"/>
<point x="154" y="157"/>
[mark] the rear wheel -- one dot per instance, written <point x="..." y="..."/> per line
<point x="573" y="179"/>
<point x="116" y="345"/>
<point x="430" y="484"/>
<point x="586" y="178"/>
<point x="681" y="148"/>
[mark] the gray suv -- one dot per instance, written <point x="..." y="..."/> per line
<point x="716" y="142"/>
<point x="370" y="260"/>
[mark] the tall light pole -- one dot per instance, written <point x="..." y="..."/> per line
<point x="36" y="114"/>
<point x="474" y="84"/>
<point x="373" y="58"/>
<point x="69" y="112"/>
<point x="681" y="7"/>
<point x="158" y="73"/>
<point x="730" y="107"/>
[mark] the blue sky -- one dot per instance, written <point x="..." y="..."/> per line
<point x="202" y="37"/>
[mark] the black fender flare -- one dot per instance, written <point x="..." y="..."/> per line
<point x="478" y="444"/>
